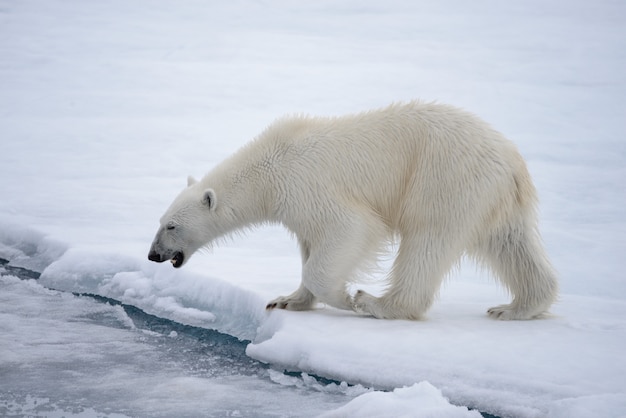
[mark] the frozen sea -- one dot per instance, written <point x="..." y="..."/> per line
<point x="106" y="107"/>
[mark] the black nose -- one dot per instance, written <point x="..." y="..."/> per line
<point x="154" y="256"/>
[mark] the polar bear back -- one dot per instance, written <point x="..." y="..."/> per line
<point x="405" y="164"/>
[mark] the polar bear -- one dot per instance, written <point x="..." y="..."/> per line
<point x="435" y="178"/>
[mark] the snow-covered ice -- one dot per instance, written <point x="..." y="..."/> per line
<point x="105" y="108"/>
<point x="422" y="400"/>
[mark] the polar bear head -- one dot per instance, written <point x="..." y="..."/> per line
<point x="190" y="223"/>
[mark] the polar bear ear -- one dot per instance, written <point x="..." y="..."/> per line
<point x="209" y="198"/>
<point x="191" y="181"/>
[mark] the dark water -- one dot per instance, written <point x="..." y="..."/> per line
<point x="22" y="273"/>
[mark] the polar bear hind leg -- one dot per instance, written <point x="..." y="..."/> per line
<point x="423" y="261"/>
<point x="517" y="257"/>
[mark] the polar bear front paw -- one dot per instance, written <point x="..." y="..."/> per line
<point x="511" y="313"/>
<point x="290" y="303"/>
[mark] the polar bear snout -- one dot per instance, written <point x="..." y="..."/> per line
<point x="177" y="258"/>
<point x="154" y="256"/>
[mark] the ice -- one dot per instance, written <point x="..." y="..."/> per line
<point x="106" y="108"/>
<point x="421" y="400"/>
<point x="189" y="299"/>
<point x="309" y="382"/>
<point x="64" y="355"/>
<point x="527" y="370"/>
<point x="28" y="248"/>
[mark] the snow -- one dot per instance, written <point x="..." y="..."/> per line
<point x="107" y="107"/>
<point x="422" y="400"/>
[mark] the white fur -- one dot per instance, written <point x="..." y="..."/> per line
<point x="436" y="177"/>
